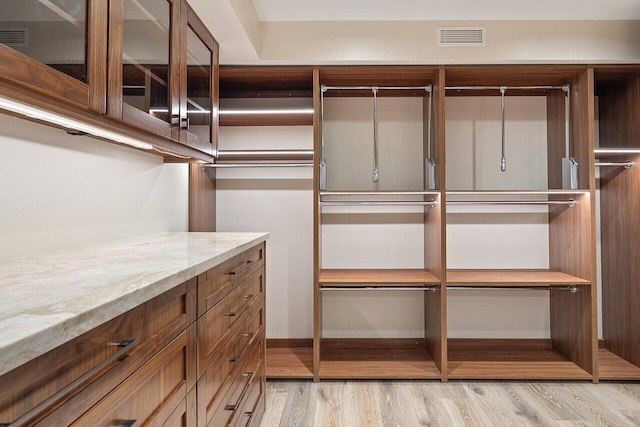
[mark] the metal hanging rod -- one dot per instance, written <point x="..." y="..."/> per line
<point x="571" y="202"/>
<point x="564" y="87"/>
<point x="260" y="155"/>
<point x="427" y="88"/>
<point x="378" y="288"/>
<point x="625" y="165"/>
<point x="571" y="288"/>
<point x="377" y="193"/>
<point x="257" y="165"/>
<point x="377" y="203"/>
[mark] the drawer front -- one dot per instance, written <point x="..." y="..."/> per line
<point x="226" y="408"/>
<point x="59" y="386"/>
<point x="251" y="408"/>
<point x="224" y="380"/>
<point x="150" y="395"/>
<point x="185" y="414"/>
<point x="220" y="323"/>
<point x="216" y="283"/>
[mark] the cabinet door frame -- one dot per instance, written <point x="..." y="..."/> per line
<point x="29" y="73"/>
<point x="189" y="19"/>
<point x="116" y="107"/>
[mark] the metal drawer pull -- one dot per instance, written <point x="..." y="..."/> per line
<point x="237" y="356"/>
<point x="58" y="398"/>
<point x="248" y="414"/>
<point x="127" y="423"/>
<point x="239" y="310"/>
<point x="248" y="374"/>
<point x="230" y="407"/>
<point x="234" y="272"/>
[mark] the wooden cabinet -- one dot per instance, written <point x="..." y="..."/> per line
<point x="618" y="153"/>
<point x="231" y="342"/>
<point x="143" y="366"/>
<point x="59" y="386"/>
<point x="145" y="70"/>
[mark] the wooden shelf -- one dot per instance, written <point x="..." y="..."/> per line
<point x="266" y="120"/>
<point x="613" y="367"/>
<point x="509" y="359"/>
<point x="372" y="276"/>
<point x="509" y="277"/>
<point x="289" y="363"/>
<point x="381" y="363"/>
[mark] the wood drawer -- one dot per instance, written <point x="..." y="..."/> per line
<point x="151" y="394"/>
<point x="215" y="284"/>
<point x="218" y="324"/>
<point x="224" y="380"/>
<point x="59" y="386"/>
<point x="252" y="402"/>
<point x="185" y="414"/>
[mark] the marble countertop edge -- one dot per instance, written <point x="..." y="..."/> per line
<point x="14" y="353"/>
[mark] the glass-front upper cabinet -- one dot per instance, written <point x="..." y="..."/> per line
<point x="51" y="46"/>
<point x="199" y="85"/>
<point x="143" y="88"/>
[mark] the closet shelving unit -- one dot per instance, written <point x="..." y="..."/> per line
<point x="421" y="358"/>
<point x="570" y="353"/>
<point x="618" y="92"/>
<point x="270" y="96"/>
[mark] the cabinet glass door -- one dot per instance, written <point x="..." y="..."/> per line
<point x="53" y="32"/>
<point x="197" y="107"/>
<point x="146" y="39"/>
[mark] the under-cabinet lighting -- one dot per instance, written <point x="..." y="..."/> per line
<point x="238" y="112"/>
<point x="270" y="111"/>
<point x="84" y="128"/>
<point x="617" y="150"/>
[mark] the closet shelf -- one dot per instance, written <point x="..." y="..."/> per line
<point x="509" y="359"/>
<point x="549" y="192"/>
<point x="368" y="277"/>
<point x="507" y="277"/>
<point x="615" y="368"/>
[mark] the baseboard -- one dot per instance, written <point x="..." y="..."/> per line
<point x="353" y="343"/>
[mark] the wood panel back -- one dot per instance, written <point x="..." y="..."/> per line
<point x="153" y="325"/>
<point x="620" y="228"/>
<point x="411" y="75"/>
<point x="511" y="75"/>
<point x="202" y="198"/>
<point x="618" y="109"/>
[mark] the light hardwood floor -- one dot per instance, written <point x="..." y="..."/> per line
<point x="430" y="403"/>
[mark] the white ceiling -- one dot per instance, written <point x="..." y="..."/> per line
<point x="432" y="10"/>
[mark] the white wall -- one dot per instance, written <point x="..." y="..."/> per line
<point x="279" y="201"/>
<point x="62" y="191"/>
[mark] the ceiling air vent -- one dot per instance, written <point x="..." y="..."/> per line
<point x="462" y="36"/>
<point x="14" y="37"/>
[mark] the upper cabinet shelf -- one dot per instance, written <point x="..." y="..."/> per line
<point x="519" y="128"/>
<point x="266" y="96"/>
<point x="145" y="70"/>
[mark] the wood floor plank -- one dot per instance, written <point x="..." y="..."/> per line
<point x="457" y="403"/>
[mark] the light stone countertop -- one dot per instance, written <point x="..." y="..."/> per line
<point x="49" y="299"/>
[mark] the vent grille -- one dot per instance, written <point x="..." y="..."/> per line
<point x="462" y="36"/>
<point x="14" y="37"/>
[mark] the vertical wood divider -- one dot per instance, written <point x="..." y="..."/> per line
<point x="317" y="234"/>
<point x="97" y="29"/>
<point x="202" y="198"/>
<point x="434" y="238"/>
<point x="619" y="108"/>
<point x="572" y="238"/>
<point x="114" y="77"/>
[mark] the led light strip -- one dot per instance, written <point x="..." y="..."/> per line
<point x="38" y="114"/>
